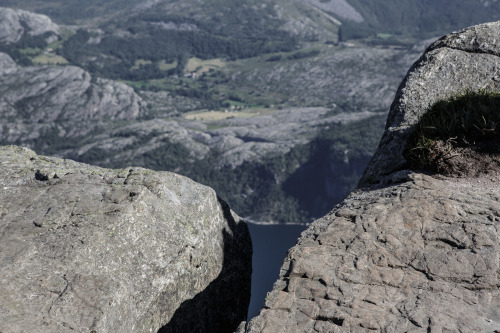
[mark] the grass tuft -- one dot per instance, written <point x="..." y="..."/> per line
<point x="462" y="121"/>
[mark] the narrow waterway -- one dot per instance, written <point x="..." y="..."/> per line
<point x="270" y="245"/>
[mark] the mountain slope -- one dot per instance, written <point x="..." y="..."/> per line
<point x="254" y="99"/>
<point x="305" y="18"/>
<point x="424" y="18"/>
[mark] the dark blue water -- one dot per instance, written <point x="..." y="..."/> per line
<point x="270" y="245"/>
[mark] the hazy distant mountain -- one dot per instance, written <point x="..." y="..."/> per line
<point x="417" y="18"/>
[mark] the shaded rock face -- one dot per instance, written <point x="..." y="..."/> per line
<point x="14" y="23"/>
<point x="409" y="252"/>
<point x="466" y="60"/>
<point x="88" y="249"/>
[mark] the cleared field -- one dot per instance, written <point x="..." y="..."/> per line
<point x="216" y="115"/>
<point x="200" y="66"/>
<point x="141" y="62"/>
<point x="162" y="65"/>
<point x="49" y="59"/>
<point x="30" y="51"/>
<point x="166" y="66"/>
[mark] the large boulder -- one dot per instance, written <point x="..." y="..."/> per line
<point x="88" y="249"/>
<point x="410" y="251"/>
<point x="467" y="60"/>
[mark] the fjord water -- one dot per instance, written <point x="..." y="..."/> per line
<point x="270" y="245"/>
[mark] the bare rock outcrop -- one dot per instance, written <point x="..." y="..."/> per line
<point x="419" y="256"/>
<point x="409" y="252"/>
<point x="65" y="100"/>
<point x="86" y="249"/>
<point x="462" y="61"/>
<point x="14" y="23"/>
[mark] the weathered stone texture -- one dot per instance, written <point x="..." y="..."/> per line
<point x="408" y="252"/>
<point x="86" y="249"/>
<point x="420" y="256"/>
<point x="65" y="100"/>
<point x="14" y="23"/>
<point x="462" y="61"/>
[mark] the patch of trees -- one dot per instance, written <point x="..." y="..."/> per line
<point x="277" y="57"/>
<point x="26" y="41"/>
<point x="116" y="55"/>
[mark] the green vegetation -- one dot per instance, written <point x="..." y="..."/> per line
<point x="216" y="115"/>
<point x="27" y="47"/>
<point x="467" y="120"/>
<point x="30" y="50"/>
<point x="49" y="59"/>
<point x="143" y="54"/>
<point x="303" y="54"/>
<point x="154" y="48"/>
<point x="202" y="66"/>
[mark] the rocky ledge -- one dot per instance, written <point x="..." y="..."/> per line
<point x="15" y="23"/>
<point x="410" y="251"/>
<point x="420" y="256"/>
<point x="86" y="249"/>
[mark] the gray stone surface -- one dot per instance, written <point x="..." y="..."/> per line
<point x="241" y="139"/>
<point x="63" y="99"/>
<point x="338" y="7"/>
<point x="419" y="256"/>
<point x="86" y="249"/>
<point x="466" y="60"/>
<point x="14" y="23"/>
<point x="408" y="252"/>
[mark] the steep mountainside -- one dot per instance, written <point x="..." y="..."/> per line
<point x="249" y="149"/>
<point x="318" y="18"/>
<point x="422" y="18"/>
<point x="40" y="105"/>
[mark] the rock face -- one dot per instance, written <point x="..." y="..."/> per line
<point x="466" y="60"/>
<point x="409" y="252"/>
<point x="242" y="139"/>
<point x="14" y="23"/>
<point x="419" y="256"/>
<point x="88" y="249"/>
<point x="64" y="100"/>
